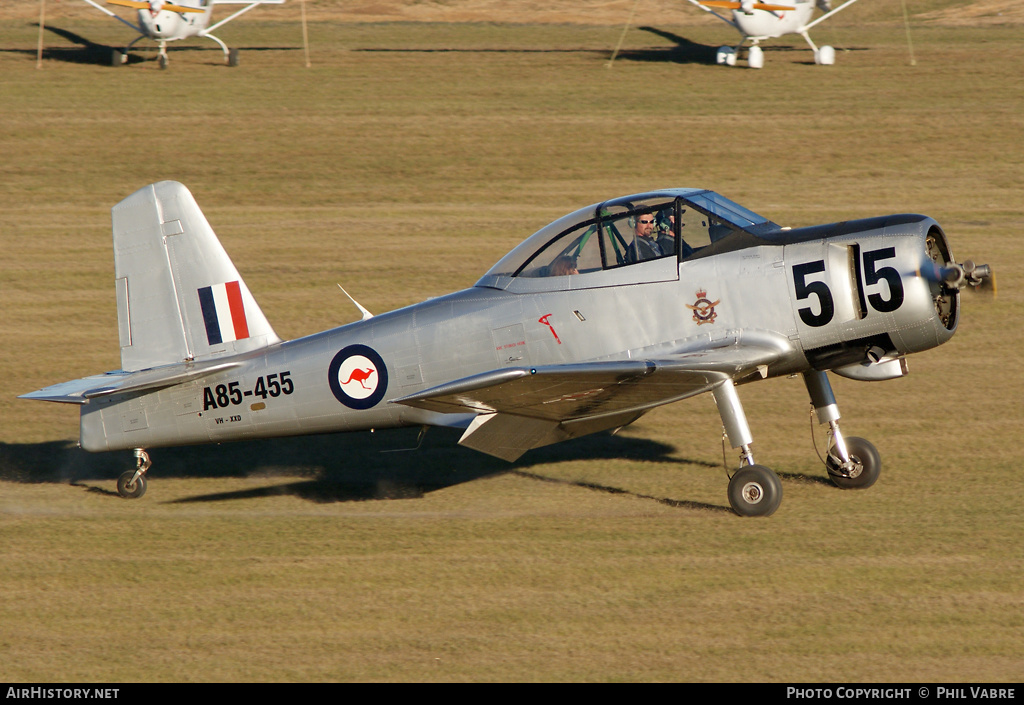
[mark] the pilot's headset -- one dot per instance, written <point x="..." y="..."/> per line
<point x="632" y="219"/>
<point x="664" y="221"/>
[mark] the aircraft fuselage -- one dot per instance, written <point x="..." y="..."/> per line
<point x="840" y="296"/>
<point x="168" y="26"/>
<point x="763" y="24"/>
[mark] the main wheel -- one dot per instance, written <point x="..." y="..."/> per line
<point x="232" y="57"/>
<point x="867" y="464"/>
<point x="131" y="491"/>
<point x="755" y="491"/>
<point x="755" y="57"/>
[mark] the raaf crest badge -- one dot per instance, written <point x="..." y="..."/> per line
<point x="703" y="309"/>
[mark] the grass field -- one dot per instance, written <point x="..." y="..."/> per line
<point x="404" y="162"/>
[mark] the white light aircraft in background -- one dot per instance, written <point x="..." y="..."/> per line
<point x="757" y="21"/>
<point x="164" y="22"/>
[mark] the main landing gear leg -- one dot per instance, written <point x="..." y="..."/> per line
<point x="754" y="490"/>
<point x="121" y="57"/>
<point x="230" y="55"/>
<point x="132" y="483"/>
<point x="852" y="463"/>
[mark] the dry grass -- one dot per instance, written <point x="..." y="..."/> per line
<point x="402" y="164"/>
<point x="582" y="12"/>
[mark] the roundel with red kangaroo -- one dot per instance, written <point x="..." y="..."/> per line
<point x="358" y="377"/>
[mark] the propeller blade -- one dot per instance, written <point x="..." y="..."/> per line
<point x="733" y="5"/>
<point x="138" y="5"/>
<point x="181" y="8"/>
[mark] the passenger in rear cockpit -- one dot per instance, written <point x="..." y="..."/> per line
<point x="562" y="266"/>
<point x="666" y="232"/>
<point x="666" y="221"/>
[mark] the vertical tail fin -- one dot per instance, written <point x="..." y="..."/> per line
<point x="179" y="297"/>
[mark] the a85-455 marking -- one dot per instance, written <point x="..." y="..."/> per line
<point x="231" y="394"/>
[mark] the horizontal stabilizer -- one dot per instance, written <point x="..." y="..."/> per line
<point x="80" y="391"/>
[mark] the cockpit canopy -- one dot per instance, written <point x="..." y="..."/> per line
<point x="606" y="240"/>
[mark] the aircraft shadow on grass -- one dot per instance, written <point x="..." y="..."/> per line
<point x="342" y="467"/>
<point x="688" y="52"/>
<point x="87" y="51"/>
<point x="684" y="51"/>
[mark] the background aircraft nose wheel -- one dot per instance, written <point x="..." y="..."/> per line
<point x="755" y="491"/>
<point x="867" y="464"/>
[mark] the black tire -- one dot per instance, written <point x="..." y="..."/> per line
<point x="867" y="465"/>
<point x="755" y="491"/>
<point x="136" y="490"/>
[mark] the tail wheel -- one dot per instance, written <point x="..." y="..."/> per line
<point x="755" y="491"/>
<point x="866" y="465"/>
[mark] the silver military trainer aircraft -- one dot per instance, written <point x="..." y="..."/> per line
<point x="591" y="322"/>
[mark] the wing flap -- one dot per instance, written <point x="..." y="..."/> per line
<point x="508" y="437"/>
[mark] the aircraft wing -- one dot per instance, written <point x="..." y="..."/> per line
<point x="529" y="407"/>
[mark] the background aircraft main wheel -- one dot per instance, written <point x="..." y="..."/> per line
<point x="117" y="58"/>
<point x="755" y="58"/>
<point x="867" y="464"/>
<point x="133" y="492"/>
<point x="232" y="57"/>
<point x="755" y="491"/>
